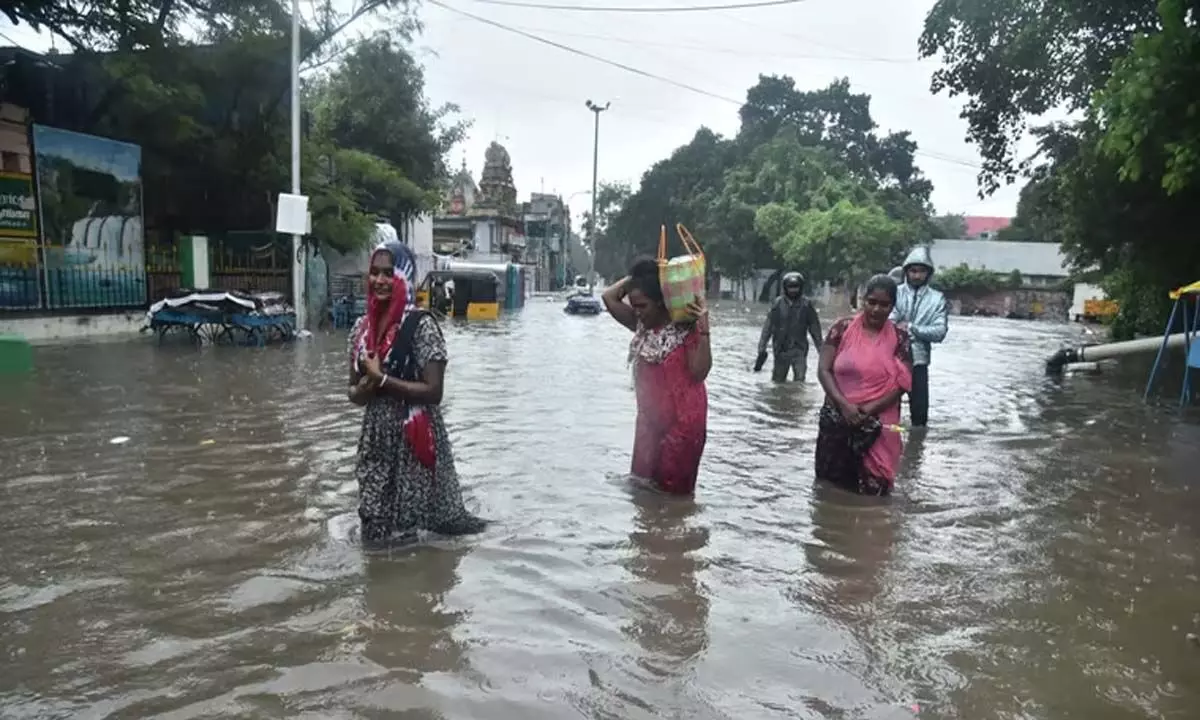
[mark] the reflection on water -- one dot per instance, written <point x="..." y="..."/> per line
<point x="852" y="542"/>
<point x="671" y="618"/>
<point x="408" y="630"/>
<point x="1038" y="560"/>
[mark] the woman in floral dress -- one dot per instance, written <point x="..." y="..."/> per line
<point x="405" y="472"/>
<point x="671" y="362"/>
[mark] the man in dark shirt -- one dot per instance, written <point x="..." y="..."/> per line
<point x="790" y="322"/>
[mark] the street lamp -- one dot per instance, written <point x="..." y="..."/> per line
<point x="596" y="110"/>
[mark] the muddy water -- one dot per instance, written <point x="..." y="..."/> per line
<point x="1039" y="561"/>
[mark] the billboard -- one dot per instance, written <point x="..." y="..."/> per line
<point x="18" y="243"/>
<point x="18" y="209"/>
<point x="90" y="196"/>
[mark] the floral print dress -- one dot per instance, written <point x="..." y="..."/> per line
<point x="672" y="409"/>
<point x="398" y="495"/>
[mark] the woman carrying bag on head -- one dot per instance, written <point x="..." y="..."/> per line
<point x="671" y="359"/>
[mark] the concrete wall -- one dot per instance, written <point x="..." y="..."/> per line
<point x="483" y="236"/>
<point x="72" y="327"/>
<point x="418" y="235"/>
<point x="1027" y="304"/>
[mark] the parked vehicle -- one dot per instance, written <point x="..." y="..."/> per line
<point x="474" y="295"/>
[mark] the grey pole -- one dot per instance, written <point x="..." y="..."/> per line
<point x="298" y="259"/>
<point x="596" y="109"/>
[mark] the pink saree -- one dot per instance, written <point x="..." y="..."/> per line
<point x="867" y="367"/>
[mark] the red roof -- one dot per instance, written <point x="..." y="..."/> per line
<point x="977" y="224"/>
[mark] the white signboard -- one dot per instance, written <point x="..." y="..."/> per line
<point x="291" y="217"/>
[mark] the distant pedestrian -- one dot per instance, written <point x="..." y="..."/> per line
<point x="921" y="310"/>
<point x="671" y="362"/>
<point x="790" y="322"/>
<point x="405" y="471"/>
<point x="865" y="367"/>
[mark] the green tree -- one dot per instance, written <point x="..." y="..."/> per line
<point x="610" y="198"/>
<point x="378" y="148"/>
<point x="212" y="118"/>
<point x="1150" y="107"/>
<point x="847" y="241"/>
<point x="1037" y="217"/>
<point x="801" y="149"/>
<point x="1018" y="59"/>
<point x="949" y="227"/>
<point x="1117" y="189"/>
<point x="138" y="25"/>
<point x="374" y="102"/>
<point x="672" y="190"/>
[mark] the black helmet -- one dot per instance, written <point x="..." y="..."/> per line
<point x="791" y="279"/>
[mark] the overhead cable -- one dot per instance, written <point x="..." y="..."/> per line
<point x="640" y="72"/>
<point x="584" y="53"/>
<point x="638" y="9"/>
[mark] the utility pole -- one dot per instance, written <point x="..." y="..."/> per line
<point x="596" y="110"/>
<point x="298" y="258"/>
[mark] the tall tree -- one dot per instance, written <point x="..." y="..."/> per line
<point x="1116" y="188"/>
<point x="374" y="101"/>
<point x="1015" y="60"/>
<point x="672" y="190"/>
<point x="800" y="149"/>
<point x="206" y="96"/>
<point x="847" y="241"/>
<point x="949" y="227"/>
<point x="610" y="198"/>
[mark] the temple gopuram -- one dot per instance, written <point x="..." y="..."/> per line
<point x="482" y="223"/>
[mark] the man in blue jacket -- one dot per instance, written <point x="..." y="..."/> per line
<point x="921" y="311"/>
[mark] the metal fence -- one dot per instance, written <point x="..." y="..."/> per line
<point x="20" y="287"/>
<point x="95" y="288"/>
<point x="163" y="273"/>
<point x="24" y="287"/>
<point x="249" y="262"/>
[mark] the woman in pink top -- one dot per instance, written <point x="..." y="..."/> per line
<point x="670" y="363"/>
<point x="865" y="366"/>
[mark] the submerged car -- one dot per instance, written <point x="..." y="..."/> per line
<point x="583" y="305"/>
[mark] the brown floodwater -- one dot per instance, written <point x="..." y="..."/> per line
<point x="1038" y="561"/>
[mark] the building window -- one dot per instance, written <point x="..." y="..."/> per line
<point x="10" y="162"/>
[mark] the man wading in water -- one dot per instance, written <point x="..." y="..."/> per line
<point x="921" y="312"/>
<point x="790" y="321"/>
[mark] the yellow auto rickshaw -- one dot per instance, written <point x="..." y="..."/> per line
<point x="470" y="294"/>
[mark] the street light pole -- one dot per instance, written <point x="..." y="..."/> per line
<point x="596" y="110"/>
<point x="298" y="259"/>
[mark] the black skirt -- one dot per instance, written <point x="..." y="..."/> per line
<point x="841" y="448"/>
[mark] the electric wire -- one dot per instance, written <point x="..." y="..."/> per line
<point x="636" y="9"/>
<point x="645" y="73"/>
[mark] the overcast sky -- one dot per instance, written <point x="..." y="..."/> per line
<point x="530" y="96"/>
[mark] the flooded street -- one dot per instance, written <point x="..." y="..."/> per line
<point x="1039" y="560"/>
